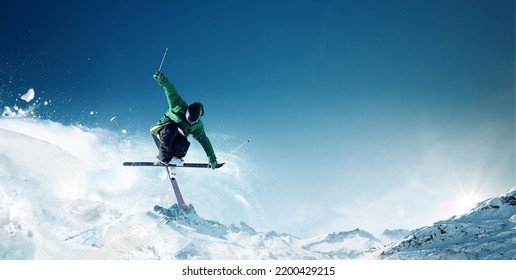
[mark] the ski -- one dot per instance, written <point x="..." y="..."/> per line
<point x="170" y="166"/>
<point x="162" y="164"/>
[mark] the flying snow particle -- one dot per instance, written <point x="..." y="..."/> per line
<point x="92" y="113"/>
<point x="124" y="131"/>
<point x="113" y="118"/>
<point x="29" y="95"/>
<point x="8" y="113"/>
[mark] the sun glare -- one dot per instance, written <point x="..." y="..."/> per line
<point x="465" y="202"/>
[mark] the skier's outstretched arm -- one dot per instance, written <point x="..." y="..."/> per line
<point x="175" y="102"/>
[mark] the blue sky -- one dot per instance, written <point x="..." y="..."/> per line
<point x="368" y="114"/>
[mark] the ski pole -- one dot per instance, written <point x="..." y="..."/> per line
<point x="163" y="59"/>
<point x="248" y="140"/>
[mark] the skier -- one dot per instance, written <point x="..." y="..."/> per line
<point x="178" y="122"/>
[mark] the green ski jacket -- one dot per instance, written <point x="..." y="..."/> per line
<point x="176" y="113"/>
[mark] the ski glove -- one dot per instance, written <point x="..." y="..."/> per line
<point x="213" y="164"/>
<point x="158" y="76"/>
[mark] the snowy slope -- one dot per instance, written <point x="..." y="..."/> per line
<point x="65" y="195"/>
<point x="488" y="231"/>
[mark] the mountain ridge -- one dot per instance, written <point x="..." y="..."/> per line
<point x="487" y="231"/>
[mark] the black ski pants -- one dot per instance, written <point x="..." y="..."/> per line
<point x="172" y="143"/>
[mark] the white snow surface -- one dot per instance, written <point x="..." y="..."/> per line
<point x="65" y="195"/>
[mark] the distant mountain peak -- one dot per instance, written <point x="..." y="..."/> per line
<point x="340" y="236"/>
<point x="190" y="219"/>
<point x="395" y="232"/>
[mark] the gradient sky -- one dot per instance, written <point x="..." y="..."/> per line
<point x="370" y="114"/>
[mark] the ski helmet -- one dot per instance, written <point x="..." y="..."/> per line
<point x="194" y="112"/>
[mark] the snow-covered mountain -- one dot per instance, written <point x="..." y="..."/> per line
<point x="65" y="195"/>
<point x="488" y="231"/>
<point x="345" y="245"/>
